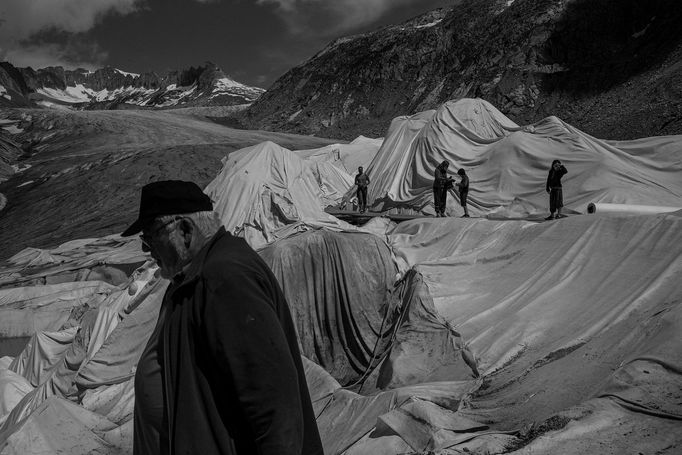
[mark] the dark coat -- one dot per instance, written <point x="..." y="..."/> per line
<point x="362" y="180"/>
<point x="554" y="177"/>
<point x="464" y="184"/>
<point x="440" y="179"/>
<point x="232" y="372"/>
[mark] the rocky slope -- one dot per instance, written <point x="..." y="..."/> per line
<point x="609" y="67"/>
<point x="110" y="88"/>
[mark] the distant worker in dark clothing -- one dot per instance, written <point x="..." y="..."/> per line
<point x="441" y="184"/>
<point x="556" y="196"/>
<point x="362" y="182"/>
<point x="222" y="372"/>
<point x="463" y="187"/>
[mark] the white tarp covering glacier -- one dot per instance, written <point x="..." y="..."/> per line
<point x="507" y="164"/>
<point x="501" y="330"/>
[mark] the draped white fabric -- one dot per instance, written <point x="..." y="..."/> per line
<point x="507" y="164"/>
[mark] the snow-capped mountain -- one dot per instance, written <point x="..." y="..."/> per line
<point x="112" y="88"/>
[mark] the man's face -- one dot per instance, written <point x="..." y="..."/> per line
<point x="557" y="165"/>
<point x="164" y="243"/>
<point x="360" y="169"/>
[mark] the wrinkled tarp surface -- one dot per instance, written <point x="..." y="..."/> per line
<point x="347" y="157"/>
<point x="342" y="325"/>
<point x="266" y="192"/>
<point x="92" y="362"/>
<point x="39" y="288"/>
<point x="560" y="313"/>
<point x="350" y="312"/>
<point x="499" y="324"/>
<point x="110" y="259"/>
<point x="25" y="310"/>
<point x="412" y="419"/>
<point x="507" y="164"/>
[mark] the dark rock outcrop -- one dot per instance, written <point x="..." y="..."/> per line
<point x="107" y="78"/>
<point x="581" y="60"/>
<point x="357" y="82"/>
<point x="14" y="91"/>
<point x="9" y="151"/>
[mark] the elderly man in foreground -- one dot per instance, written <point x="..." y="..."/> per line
<point x="222" y="372"/>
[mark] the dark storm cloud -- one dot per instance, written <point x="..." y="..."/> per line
<point x="22" y="19"/>
<point x="255" y="41"/>
<point x="330" y="18"/>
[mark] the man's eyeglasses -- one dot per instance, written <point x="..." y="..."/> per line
<point x="147" y="238"/>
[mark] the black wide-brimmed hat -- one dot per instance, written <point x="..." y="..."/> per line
<point x="168" y="197"/>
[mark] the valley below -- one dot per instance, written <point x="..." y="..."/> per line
<point x="82" y="170"/>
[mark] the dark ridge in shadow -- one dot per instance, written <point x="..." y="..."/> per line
<point x="603" y="43"/>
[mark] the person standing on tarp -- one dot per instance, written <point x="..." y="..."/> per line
<point x="463" y="187"/>
<point x="441" y="184"/>
<point x="555" y="190"/>
<point x="222" y="372"/>
<point x="362" y="182"/>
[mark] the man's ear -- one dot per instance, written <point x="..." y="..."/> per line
<point x="187" y="230"/>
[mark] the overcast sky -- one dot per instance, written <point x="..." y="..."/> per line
<point x="254" y="41"/>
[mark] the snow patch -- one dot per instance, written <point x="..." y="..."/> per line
<point x="10" y="126"/>
<point x="142" y="96"/>
<point x="125" y="73"/>
<point x="175" y="97"/>
<point x="77" y="94"/>
<point x="225" y="83"/>
<point x="431" y="24"/>
<point x="293" y="116"/>
<point x="81" y="94"/>
<point x="25" y="183"/>
<point x="342" y="40"/>
<point x="102" y="95"/>
<point x="643" y="31"/>
<point x="20" y="167"/>
<point x="12" y="129"/>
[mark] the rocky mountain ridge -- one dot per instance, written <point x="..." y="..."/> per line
<point x="111" y="88"/>
<point x="610" y="67"/>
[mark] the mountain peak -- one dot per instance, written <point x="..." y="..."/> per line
<point x="112" y="88"/>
